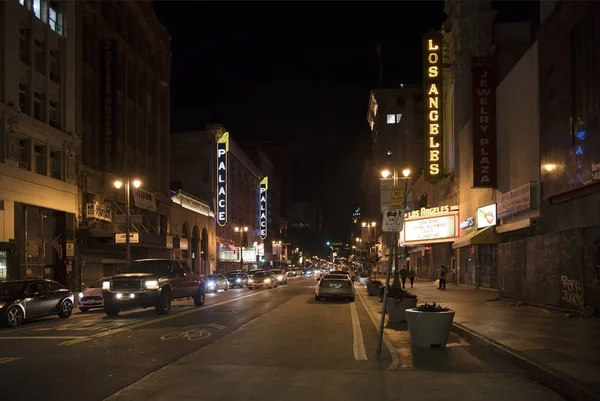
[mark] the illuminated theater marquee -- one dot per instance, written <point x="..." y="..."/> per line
<point x="222" y="151"/>
<point x="433" y="100"/>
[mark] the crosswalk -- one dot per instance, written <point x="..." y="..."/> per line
<point x="8" y="359"/>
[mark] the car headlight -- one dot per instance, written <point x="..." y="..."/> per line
<point x="250" y="280"/>
<point x="106" y="285"/>
<point x="151" y="284"/>
<point x="267" y="280"/>
<point x="81" y="295"/>
<point x="279" y="277"/>
<point x="239" y="280"/>
<point x="211" y="284"/>
<point x="2" y="304"/>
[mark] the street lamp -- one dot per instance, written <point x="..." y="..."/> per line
<point x="119" y="184"/>
<point x="385" y="173"/>
<point x="241" y="230"/>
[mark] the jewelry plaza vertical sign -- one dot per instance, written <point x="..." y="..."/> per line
<point x="264" y="187"/>
<point x="433" y="80"/>
<point x="222" y="151"/>
<point x="484" y="123"/>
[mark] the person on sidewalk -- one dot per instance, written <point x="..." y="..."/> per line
<point x="442" y="277"/>
<point x="403" y="276"/>
<point x="411" y="276"/>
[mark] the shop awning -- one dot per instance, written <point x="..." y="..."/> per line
<point x="486" y="236"/>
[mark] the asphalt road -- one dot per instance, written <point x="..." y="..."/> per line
<point x="267" y="345"/>
<point x="91" y="356"/>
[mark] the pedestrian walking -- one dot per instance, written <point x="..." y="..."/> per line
<point x="411" y="276"/>
<point x="442" y="277"/>
<point x="403" y="276"/>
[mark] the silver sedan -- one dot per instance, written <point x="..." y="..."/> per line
<point x="334" y="286"/>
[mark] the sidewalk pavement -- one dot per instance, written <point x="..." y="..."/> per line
<point x="560" y="351"/>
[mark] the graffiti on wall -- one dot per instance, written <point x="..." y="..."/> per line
<point x="572" y="292"/>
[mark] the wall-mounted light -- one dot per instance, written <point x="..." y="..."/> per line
<point x="385" y="173"/>
<point x="549" y="167"/>
<point x="406" y="172"/>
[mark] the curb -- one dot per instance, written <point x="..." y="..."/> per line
<point x="551" y="378"/>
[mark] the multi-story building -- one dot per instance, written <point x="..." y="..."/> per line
<point x="223" y="175"/>
<point x="38" y="191"/>
<point x="122" y="120"/>
<point x="395" y="116"/>
<point x="462" y="66"/>
<point x="556" y="261"/>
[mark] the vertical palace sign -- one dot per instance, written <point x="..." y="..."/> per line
<point x="433" y="105"/>
<point x="484" y="124"/>
<point x="222" y="151"/>
<point x="264" y="188"/>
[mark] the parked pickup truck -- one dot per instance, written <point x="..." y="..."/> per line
<point x="152" y="282"/>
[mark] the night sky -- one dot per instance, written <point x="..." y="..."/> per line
<point x="298" y="73"/>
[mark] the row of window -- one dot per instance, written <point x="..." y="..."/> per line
<point x="42" y="161"/>
<point x="49" y="66"/>
<point x="48" y="12"/>
<point x="394" y="118"/>
<point x="39" y="106"/>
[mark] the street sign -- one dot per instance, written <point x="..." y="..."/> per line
<point x="392" y="220"/>
<point x="120" y="238"/>
<point x="397" y="196"/>
<point x="385" y="192"/>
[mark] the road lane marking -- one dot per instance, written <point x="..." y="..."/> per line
<point x="395" y="359"/>
<point x="160" y="319"/>
<point x="358" y="345"/>
<point x="43" y="338"/>
<point x="10" y="359"/>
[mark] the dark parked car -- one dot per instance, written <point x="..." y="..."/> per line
<point x="27" y="299"/>
<point x="152" y="282"/>
<point x="237" y="279"/>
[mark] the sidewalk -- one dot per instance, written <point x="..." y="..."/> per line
<point x="561" y="352"/>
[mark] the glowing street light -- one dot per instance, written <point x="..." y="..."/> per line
<point x="385" y="173"/>
<point x="119" y="184"/>
<point x="406" y="172"/>
<point x="241" y="230"/>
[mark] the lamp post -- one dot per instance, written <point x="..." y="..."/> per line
<point x="393" y="247"/>
<point x="370" y="241"/>
<point x="241" y="230"/>
<point x="118" y="184"/>
<point x="275" y="246"/>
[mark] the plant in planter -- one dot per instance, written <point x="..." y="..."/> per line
<point x="429" y="325"/>
<point x="397" y="303"/>
<point x="373" y="287"/>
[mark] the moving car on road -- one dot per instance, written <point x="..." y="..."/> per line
<point x="91" y="297"/>
<point x="216" y="282"/>
<point x="262" y="279"/>
<point x="280" y="276"/>
<point x="152" y="282"/>
<point x="334" y="286"/>
<point x="28" y="299"/>
<point x="237" y="279"/>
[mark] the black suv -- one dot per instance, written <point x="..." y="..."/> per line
<point x="152" y="282"/>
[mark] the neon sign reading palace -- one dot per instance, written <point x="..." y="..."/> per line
<point x="433" y="100"/>
<point x="222" y="151"/>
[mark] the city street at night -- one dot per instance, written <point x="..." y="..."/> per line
<point x="270" y="344"/>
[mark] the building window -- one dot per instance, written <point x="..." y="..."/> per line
<point x="23" y="156"/>
<point x="391" y="119"/>
<point x="13" y="147"/>
<point x="40" y="60"/>
<point x="22" y="2"/>
<point x="583" y="64"/>
<point x="37" y="8"/>
<point x="24" y="44"/>
<point x="52" y="16"/>
<point x="53" y="66"/>
<point x="38" y="159"/>
<point x="55" y="164"/>
<point x="24" y="98"/>
<point x="38" y="109"/>
<point x="398" y="118"/>
<point x="53" y="114"/>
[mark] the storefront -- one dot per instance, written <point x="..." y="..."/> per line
<point x="476" y="248"/>
<point x="518" y="212"/>
<point x="429" y="233"/>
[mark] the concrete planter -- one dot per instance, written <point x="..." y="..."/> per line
<point x="429" y="329"/>
<point x="397" y="310"/>
<point x="373" y="289"/>
<point x="363" y="280"/>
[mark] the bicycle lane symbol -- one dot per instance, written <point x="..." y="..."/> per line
<point x="192" y="333"/>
